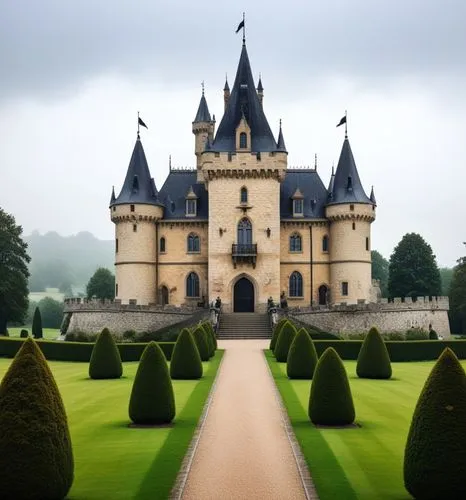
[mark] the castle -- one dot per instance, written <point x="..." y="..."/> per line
<point x="242" y="226"/>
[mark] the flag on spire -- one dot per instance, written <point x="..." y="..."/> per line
<point x="342" y="121"/>
<point x="140" y="122"/>
<point x="240" y="25"/>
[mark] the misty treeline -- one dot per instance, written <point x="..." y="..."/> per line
<point x="65" y="262"/>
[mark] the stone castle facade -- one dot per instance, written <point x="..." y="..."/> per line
<point x="242" y="225"/>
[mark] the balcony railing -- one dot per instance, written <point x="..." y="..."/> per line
<point x="246" y="253"/>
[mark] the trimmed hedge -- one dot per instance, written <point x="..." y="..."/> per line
<point x="276" y="333"/>
<point x="284" y="341"/>
<point x="209" y="329"/>
<point x="186" y="362"/>
<point x="37" y="332"/>
<point x="373" y="359"/>
<point x="60" y="350"/>
<point x="152" y="398"/>
<point x="105" y="360"/>
<point x="200" y="337"/>
<point x="36" y="455"/>
<point x="435" y="454"/>
<point x="302" y="356"/>
<point x="210" y="340"/>
<point x="330" y="401"/>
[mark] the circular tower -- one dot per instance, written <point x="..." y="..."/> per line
<point x="135" y="213"/>
<point x="351" y="213"/>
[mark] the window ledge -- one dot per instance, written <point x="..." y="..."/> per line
<point x="195" y="252"/>
<point x="301" y="297"/>
<point x="295" y="251"/>
<point x="192" y="298"/>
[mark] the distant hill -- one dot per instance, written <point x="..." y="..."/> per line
<point x="66" y="262"/>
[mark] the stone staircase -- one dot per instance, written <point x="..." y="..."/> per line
<point x="244" y="326"/>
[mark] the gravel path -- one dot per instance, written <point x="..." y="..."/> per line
<point x="243" y="451"/>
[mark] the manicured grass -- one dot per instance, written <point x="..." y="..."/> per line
<point x="49" y="333"/>
<point x="111" y="459"/>
<point x="358" y="463"/>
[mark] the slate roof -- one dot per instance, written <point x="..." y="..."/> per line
<point x="281" y="141"/>
<point x="347" y="187"/>
<point x="244" y="99"/>
<point x="202" y="114"/>
<point x="139" y="186"/>
<point x="308" y="182"/>
<point x="173" y="195"/>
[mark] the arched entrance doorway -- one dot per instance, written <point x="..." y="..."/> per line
<point x="164" y="294"/>
<point x="243" y="296"/>
<point x="323" y="295"/>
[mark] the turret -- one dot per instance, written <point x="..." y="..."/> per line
<point x="203" y="127"/>
<point x="226" y="94"/>
<point x="135" y="213"/>
<point x="350" y="212"/>
<point x="260" y="91"/>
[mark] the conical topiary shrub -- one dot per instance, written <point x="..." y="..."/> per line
<point x="435" y="454"/>
<point x="152" y="399"/>
<point x="36" y="456"/>
<point x="331" y="402"/>
<point x="302" y="356"/>
<point x="37" y="324"/>
<point x="210" y="340"/>
<point x="105" y="358"/>
<point x="209" y="329"/>
<point x="373" y="358"/>
<point x="185" y="362"/>
<point x="285" y="338"/>
<point x="200" y="338"/>
<point x="276" y="332"/>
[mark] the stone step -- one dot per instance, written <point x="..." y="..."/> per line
<point x="244" y="326"/>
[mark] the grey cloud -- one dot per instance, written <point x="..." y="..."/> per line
<point x="52" y="45"/>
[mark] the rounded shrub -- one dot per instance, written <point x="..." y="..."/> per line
<point x="200" y="338"/>
<point x="435" y="453"/>
<point x="302" y="356"/>
<point x="433" y="335"/>
<point x="24" y="334"/>
<point x="285" y="338"/>
<point x="330" y="401"/>
<point x="276" y="332"/>
<point x="185" y="362"/>
<point x="373" y="359"/>
<point x="105" y="358"/>
<point x="152" y="399"/>
<point x="36" y="456"/>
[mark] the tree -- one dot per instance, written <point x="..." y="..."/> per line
<point x="435" y="453"/>
<point x="446" y="275"/>
<point x="373" y="359"/>
<point x="14" y="272"/>
<point x="413" y="271"/>
<point x="379" y="269"/>
<point x="101" y="285"/>
<point x="185" y="362"/>
<point x="458" y="298"/>
<point x="51" y="311"/>
<point x="152" y="398"/>
<point x="37" y="325"/>
<point x="302" y="356"/>
<point x="105" y="359"/>
<point x="36" y="456"/>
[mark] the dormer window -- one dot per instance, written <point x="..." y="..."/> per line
<point x="191" y="208"/>
<point x="243" y="140"/>
<point x="298" y="208"/>
<point x="244" y="195"/>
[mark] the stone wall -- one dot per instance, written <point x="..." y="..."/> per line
<point x="396" y="316"/>
<point x="92" y="316"/>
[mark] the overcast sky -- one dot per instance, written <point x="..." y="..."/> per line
<point x="74" y="74"/>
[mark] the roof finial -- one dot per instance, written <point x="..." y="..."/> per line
<point x="280" y="123"/>
<point x="170" y="162"/>
<point x="315" y="162"/>
<point x="242" y="25"/>
<point x="346" y="124"/>
<point x="333" y="167"/>
<point x="202" y="85"/>
<point x="138" y="126"/>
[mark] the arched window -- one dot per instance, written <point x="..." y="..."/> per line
<point x="325" y="244"/>
<point x="296" y="243"/>
<point x="244" y="232"/>
<point x="193" y="243"/>
<point x="192" y="285"/>
<point x="296" y="284"/>
<point x="244" y="195"/>
<point x="162" y="244"/>
<point x="243" y="140"/>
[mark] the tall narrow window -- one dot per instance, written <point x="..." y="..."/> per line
<point x="132" y="208"/>
<point x="367" y="244"/>
<point x="194" y="245"/>
<point x="162" y="244"/>
<point x="192" y="285"/>
<point x="298" y="207"/>
<point x="354" y="226"/>
<point x="344" y="288"/>
<point x="116" y="289"/>
<point x="296" y="243"/>
<point x="135" y="228"/>
<point x="244" y="195"/>
<point x="296" y="284"/>
<point x="243" y="140"/>
<point x="116" y="245"/>
<point x="325" y="244"/>
<point x="244" y="232"/>
<point x="191" y="207"/>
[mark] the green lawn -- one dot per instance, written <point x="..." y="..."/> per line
<point x="358" y="463"/>
<point x="111" y="459"/>
<point x="49" y="333"/>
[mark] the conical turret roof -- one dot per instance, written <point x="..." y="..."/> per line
<point x="139" y="187"/>
<point x="347" y="187"/>
<point x="202" y="114"/>
<point x="244" y="100"/>
<point x="281" y="141"/>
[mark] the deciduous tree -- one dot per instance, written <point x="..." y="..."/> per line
<point x="380" y="270"/>
<point x="458" y="298"/>
<point x="101" y="285"/>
